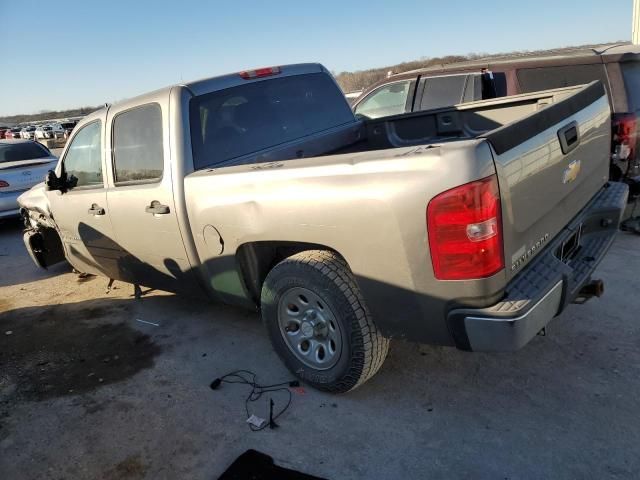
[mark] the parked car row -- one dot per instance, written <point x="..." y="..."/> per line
<point x="33" y="132"/>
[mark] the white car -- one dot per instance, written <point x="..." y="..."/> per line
<point x="42" y="131"/>
<point x="67" y="128"/>
<point x="23" y="164"/>
<point x="57" y="130"/>
<point x="28" y="133"/>
<point x="49" y="131"/>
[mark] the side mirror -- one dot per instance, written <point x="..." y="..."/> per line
<point x="62" y="183"/>
<point x="71" y="182"/>
<point x="51" y="181"/>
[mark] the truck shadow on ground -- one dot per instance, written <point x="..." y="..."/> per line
<point x="56" y="350"/>
<point x="21" y="276"/>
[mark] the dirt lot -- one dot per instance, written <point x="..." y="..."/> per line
<point x="87" y="390"/>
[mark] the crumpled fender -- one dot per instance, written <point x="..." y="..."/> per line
<point x="35" y="199"/>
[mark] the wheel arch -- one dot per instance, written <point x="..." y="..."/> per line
<point x="256" y="259"/>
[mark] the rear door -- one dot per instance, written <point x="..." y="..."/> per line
<point x="81" y="214"/>
<point x="140" y="198"/>
<point x="550" y="164"/>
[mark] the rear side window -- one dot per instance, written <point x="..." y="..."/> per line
<point x="545" y="78"/>
<point x="137" y="145"/>
<point x="15" y="152"/>
<point x="248" y="118"/>
<point x="443" y="91"/>
<point x="631" y="74"/>
<point x="385" y="101"/>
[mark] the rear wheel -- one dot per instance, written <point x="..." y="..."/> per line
<point x="318" y="323"/>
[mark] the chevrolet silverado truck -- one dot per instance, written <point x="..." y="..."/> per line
<point x="471" y="225"/>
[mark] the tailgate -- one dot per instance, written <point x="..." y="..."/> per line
<point x="549" y="165"/>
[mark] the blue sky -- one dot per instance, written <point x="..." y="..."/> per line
<point x="79" y="53"/>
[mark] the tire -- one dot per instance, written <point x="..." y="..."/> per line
<point x="334" y="320"/>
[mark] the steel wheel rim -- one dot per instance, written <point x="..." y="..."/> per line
<point x="309" y="328"/>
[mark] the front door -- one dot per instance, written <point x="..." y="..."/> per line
<point x="140" y="199"/>
<point x="81" y="213"/>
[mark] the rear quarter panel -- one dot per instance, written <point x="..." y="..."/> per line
<point x="370" y="207"/>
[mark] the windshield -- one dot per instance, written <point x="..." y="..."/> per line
<point x="15" y="152"/>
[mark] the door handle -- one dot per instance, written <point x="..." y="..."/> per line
<point x="96" y="209"/>
<point x="157" y="208"/>
<point x="569" y="137"/>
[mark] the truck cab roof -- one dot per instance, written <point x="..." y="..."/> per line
<point x="207" y="85"/>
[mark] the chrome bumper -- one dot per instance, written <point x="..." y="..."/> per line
<point x="547" y="285"/>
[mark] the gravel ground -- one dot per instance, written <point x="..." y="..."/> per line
<point x="87" y="390"/>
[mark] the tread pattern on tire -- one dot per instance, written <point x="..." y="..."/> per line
<point x="369" y="347"/>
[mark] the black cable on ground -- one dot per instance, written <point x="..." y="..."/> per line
<point x="246" y="377"/>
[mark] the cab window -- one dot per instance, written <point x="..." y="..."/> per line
<point x="385" y="101"/>
<point x="84" y="156"/>
<point x="229" y="124"/>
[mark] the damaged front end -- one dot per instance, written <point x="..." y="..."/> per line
<point x="41" y="235"/>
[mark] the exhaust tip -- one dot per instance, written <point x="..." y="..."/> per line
<point x="595" y="288"/>
<point x="598" y="287"/>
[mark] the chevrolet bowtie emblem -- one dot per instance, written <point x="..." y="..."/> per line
<point x="571" y="172"/>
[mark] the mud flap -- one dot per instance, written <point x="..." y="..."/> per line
<point x="44" y="247"/>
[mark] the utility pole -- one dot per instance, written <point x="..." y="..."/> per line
<point x="635" y="26"/>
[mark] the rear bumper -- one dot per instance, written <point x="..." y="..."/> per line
<point x="547" y="285"/>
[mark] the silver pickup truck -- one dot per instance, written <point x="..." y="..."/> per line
<point x="470" y="226"/>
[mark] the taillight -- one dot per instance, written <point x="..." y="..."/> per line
<point x="259" y="72"/>
<point x="623" y="136"/>
<point x="3" y="184"/>
<point x="465" y="231"/>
